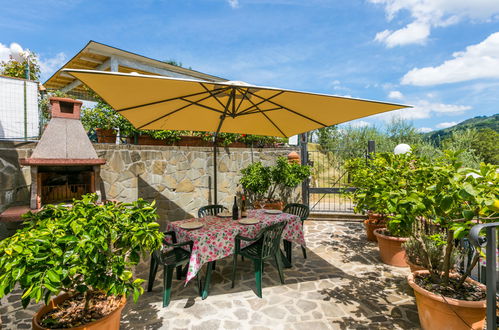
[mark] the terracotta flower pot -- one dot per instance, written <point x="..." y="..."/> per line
<point x="108" y="322"/>
<point x="105" y="135"/>
<point x="149" y="140"/>
<point x="435" y="312"/>
<point x="269" y="206"/>
<point x="374" y="221"/>
<point x="414" y="267"/>
<point x="390" y="249"/>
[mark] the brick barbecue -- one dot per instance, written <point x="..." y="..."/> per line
<point x="64" y="164"/>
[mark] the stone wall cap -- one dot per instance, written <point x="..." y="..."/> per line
<point x="60" y="161"/>
<point x="14" y="213"/>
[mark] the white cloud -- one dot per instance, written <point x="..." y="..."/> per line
<point x="424" y="129"/>
<point x="359" y="123"/>
<point x="233" y="3"/>
<point x="423" y="109"/>
<point x="396" y="95"/>
<point x="4" y="53"/>
<point x="427" y="14"/>
<point x="49" y="65"/>
<point x="477" y="61"/>
<point x="446" y="124"/>
<point x="414" y="33"/>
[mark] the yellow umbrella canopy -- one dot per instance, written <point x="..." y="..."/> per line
<point x="159" y="103"/>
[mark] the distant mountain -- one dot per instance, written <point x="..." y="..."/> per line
<point x="478" y="123"/>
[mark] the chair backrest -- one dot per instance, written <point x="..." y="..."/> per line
<point x="300" y="210"/>
<point x="271" y="239"/>
<point x="210" y="210"/>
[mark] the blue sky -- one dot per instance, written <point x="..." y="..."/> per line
<point x="441" y="56"/>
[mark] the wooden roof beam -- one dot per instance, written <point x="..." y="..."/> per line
<point x="90" y="59"/>
<point x="76" y="82"/>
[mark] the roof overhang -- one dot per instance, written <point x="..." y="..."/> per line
<point x="98" y="56"/>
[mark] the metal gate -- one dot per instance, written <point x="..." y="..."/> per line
<point x="325" y="190"/>
<point x="328" y="180"/>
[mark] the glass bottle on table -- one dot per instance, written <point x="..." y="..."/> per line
<point x="243" y="207"/>
<point x="235" y="210"/>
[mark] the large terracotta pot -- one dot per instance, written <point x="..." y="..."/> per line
<point x="435" y="312"/>
<point x="390" y="249"/>
<point x="269" y="206"/>
<point x="105" y="135"/>
<point x="108" y="322"/>
<point x="374" y="221"/>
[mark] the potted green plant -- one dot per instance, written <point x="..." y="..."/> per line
<point x="103" y="120"/>
<point x="403" y="181"/>
<point x="455" y="202"/>
<point x="159" y="137"/>
<point x="84" y="255"/>
<point x="368" y="179"/>
<point x="272" y="186"/>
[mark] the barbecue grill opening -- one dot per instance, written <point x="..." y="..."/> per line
<point x="64" y="183"/>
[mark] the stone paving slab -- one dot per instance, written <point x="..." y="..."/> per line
<point x="342" y="285"/>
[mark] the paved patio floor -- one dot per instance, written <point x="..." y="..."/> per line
<point x="342" y="285"/>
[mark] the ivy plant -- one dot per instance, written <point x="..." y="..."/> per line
<point x="79" y="249"/>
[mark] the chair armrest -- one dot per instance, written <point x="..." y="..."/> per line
<point x="191" y="243"/>
<point x="240" y="238"/>
<point x="248" y="239"/>
<point x="172" y="234"/>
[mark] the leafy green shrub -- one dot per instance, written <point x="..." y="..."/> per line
<point x="167" y="135"/>
<point x="268" y="182"/>
<point x="80" y="249"/>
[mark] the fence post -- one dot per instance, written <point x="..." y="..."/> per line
<point x="491" y="274"/>
<point x="304" y="161"/>
<point x="371" y="147"/>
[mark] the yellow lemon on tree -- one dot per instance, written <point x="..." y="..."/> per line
<point x="495" y="206"/>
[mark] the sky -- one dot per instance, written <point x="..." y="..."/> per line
<point x="439" y="56"/>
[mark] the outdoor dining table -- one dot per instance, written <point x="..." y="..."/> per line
<point x="216" y="239"/>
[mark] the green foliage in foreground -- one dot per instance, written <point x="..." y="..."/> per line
<point x="78" y="249"/>
<point x="267" y="182"/>
<point x="440" y="190"/>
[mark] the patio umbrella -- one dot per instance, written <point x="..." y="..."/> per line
<point x="160" y="103"/>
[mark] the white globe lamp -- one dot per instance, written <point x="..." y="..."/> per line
<point x="402" y="149"/>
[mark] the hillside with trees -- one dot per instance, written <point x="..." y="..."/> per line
<point x="478" y="123"/>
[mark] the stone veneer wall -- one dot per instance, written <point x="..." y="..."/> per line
<point x="178" y="178"/>
<point x="14" y="181"/>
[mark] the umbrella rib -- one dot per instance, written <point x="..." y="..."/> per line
<point x="242" y="99"/>
<point x="166" y="100"/>
<point x="222" y="117"/>
<point x="290" y="110"/>
<point x="271" y="121"/>
<point x="174" y="111"/>
<point x="214" y="95"/>
<point x="256" y="111"/>
<point x="201" y="105"/>
<point x="258" y="103"/>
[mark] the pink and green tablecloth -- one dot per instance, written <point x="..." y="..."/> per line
<point x="216" y="239"/>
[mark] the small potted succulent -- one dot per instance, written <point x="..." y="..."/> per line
<point x="83" y="255"/>
<point x="454" y="202"/>
<point x="270" y="187"/>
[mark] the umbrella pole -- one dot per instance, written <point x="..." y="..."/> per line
<point x="215" y="169"/>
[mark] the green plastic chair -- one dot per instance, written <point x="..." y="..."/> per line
<point x="265" y="246"/>
<point x="303" y="212"/>
<point x="170" y="260"/>
<point x="210" y="210"/>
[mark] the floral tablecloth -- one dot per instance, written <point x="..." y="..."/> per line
<point x="216" y="239"/>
